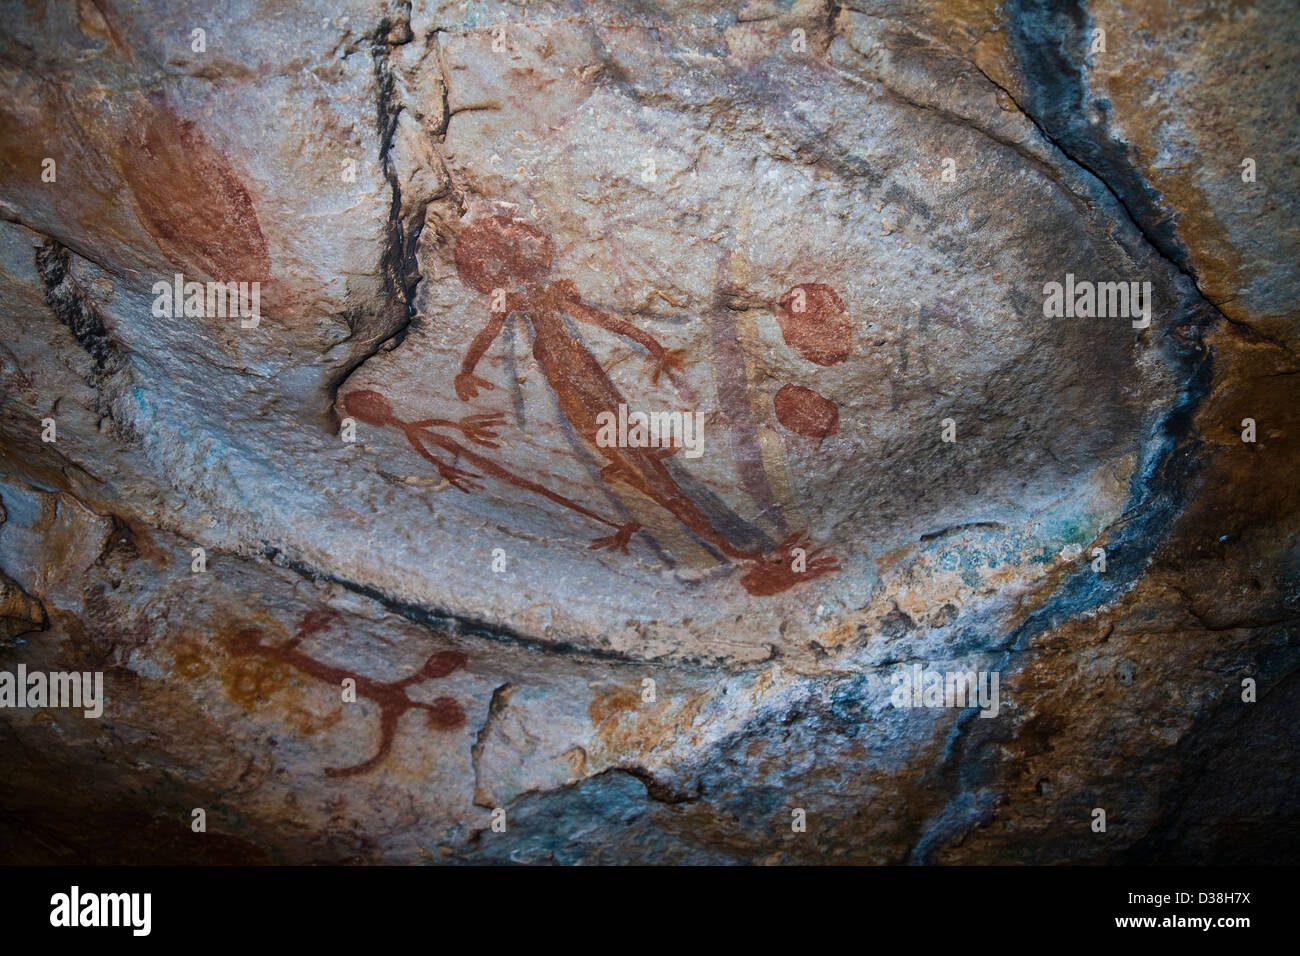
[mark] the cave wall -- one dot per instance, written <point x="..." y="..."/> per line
<point x="826" y="229"/>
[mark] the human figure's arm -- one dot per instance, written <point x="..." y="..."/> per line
<point x="665" y="359"/>
<point x="467" y="383"/>
<point x="480" y="429"/>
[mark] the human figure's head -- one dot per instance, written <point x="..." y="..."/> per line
<point x="368" y="406"/>
<point x="498" y="252"/>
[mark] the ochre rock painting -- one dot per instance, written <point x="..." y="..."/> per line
<point x="967" y="557"/>
<point x="804" y="411"/>
<point x="443" y="713"/>
<point x="189" y="198"/>
<point x="511" y="260"/>
<point x="815" y="323"/>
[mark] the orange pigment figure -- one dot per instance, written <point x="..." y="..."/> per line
<point x="442" y="714"/>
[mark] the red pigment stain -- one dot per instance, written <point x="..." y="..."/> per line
<point x="804" y="412"/>
<point x="502" y="253"/>
<point x="815" y="323"/>
<point x="190" y="199"/>
<point x="442" y="714"/>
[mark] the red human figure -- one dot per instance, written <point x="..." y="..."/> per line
<point x="511" y="261"/>
<point x="373" y="409"/>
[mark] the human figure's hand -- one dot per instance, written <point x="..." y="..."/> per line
<point x="481" y="429"/>
<point x="467" y="385"/>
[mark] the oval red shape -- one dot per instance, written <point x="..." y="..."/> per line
<point x="805" y="412"/>
<point x="815" y="323"/>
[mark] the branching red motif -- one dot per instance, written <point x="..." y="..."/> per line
<point x="391" y="697"/>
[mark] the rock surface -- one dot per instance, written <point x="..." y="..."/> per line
<point x="821" y="232"/>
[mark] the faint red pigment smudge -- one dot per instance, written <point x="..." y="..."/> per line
<point x="502" y="253"/>
<point x="805" y="412"/>
<point x="733" y="392"/>
<point x="442" y="714"/>
<point x="815" y="323"/>
<point x="190" y="199"/>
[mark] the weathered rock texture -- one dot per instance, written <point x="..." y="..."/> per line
<point x="826" y="229"/>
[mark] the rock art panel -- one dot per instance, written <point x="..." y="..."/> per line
<point x="659" y="419"/>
